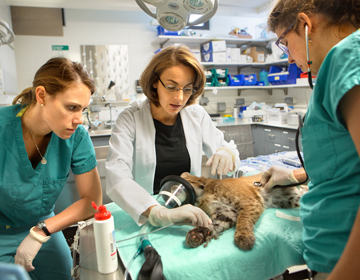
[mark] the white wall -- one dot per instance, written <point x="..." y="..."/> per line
<point x="7" y="58"/>
<point x="91" y="27"/>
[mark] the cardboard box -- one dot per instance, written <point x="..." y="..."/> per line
<point x="235" y="55"/>
<point x="243" y="58"/>
<point x="258" y="54"/>
<point x="213" y="46"/>
<point x="216" y="57"/>
<point x="196" y="53"/>
<point x="228" y="55"/>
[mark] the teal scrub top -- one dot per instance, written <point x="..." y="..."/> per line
<point x="27" y="194"/>
<point x="328" y="210"/>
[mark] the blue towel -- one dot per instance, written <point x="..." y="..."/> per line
<point x="278" y="246"/>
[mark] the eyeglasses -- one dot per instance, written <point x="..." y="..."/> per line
<point x="280" y="44"/>
<point x="188" y="90"/>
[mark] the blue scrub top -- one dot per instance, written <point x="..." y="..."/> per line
<point x="27" y="194"/>
<point x="329" y="209"/>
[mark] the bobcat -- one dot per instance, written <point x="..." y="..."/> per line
<point x="231" y="202"/>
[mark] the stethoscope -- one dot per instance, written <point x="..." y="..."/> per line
<point x="301" y="122"/>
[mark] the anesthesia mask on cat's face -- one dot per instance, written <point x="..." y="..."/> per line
<point x="175" y="192"/>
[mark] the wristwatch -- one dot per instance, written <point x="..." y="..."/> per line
<point x="41" y="225"/>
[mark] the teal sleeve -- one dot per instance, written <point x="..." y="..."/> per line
<point x="342" y="67"/>
<point x="83" y="156"/>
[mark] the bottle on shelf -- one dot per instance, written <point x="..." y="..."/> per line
<point x="264" y="76"/>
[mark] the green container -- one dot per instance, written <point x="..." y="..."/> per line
<point x="221" y="78"/>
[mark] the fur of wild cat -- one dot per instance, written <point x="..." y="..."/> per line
<point x="231" y="202"/>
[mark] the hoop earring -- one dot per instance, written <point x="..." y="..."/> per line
<point x="308" y="57"/>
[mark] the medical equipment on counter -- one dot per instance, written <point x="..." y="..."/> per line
<point x="106" y="250"/>
<point x="174" y="15"/>
<point x="174" y="192"/>
<point x="7" y="36"/>
<point x="110" y="123"/>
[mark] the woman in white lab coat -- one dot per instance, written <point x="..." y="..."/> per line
<point x="163" y="135"/>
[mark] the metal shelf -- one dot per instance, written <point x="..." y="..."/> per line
<point x="163" y="39"/>
<point x="283" y="61"/>
<point x="284" y="87"/>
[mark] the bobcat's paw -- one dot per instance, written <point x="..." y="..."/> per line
<point x="198" y="236"/>
<point x="245" y="242"/>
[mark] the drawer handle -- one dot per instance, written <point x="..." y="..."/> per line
<point x="285" y="132"/>
<point x="267" y="129"/>
<point x="277" y="145"/>
<point x="286" y="147"/>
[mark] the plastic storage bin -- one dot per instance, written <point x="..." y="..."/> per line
<point x="277" y="117"/>
<point x="277" y="75"/>
<point x="292" y="119"/>
<point x="237" y="80"/>
<point x="209" y="79"/>
<point x="162" y="31"/>
<point x="220" y="76"/>
<point x="250" y="80"/>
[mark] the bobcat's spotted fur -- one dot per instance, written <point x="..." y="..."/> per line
<point x="236" y="202"/>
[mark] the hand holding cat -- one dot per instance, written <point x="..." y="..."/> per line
<point x="222" y="161"/>
<point x="162" y="216"/>
<point x="277" y="175"/>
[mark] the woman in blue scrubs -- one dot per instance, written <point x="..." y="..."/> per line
<point x="41" y="139"/>
<point x="329" y="29"/>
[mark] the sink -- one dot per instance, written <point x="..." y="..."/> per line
<point x="99" y="132"/>
<point x="101" y="152"/>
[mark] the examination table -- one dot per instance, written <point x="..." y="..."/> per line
<point x="278" y="245"/>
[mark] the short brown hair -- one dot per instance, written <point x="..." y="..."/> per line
<point x="336" y="12"/>
<point x="169" y="57"/>
<point x="56" y="75"/>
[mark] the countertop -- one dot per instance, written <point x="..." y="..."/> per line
<point x="107" y="132"/>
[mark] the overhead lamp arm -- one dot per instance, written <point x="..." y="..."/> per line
<point x="145" y="8"/>
<point x="4" y="31"/>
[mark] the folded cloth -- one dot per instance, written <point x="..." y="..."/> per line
<point x="278" y="246"/>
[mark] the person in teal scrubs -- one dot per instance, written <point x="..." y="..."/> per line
<point x="41" y="139"/>
<point x="331" y="131"/>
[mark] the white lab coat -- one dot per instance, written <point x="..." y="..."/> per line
<point x="131" y="162"/>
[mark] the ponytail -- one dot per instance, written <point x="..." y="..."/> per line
<point x="27" y="96"/>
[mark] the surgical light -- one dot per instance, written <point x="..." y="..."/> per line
<point x="6" y="34"/>
<point x="174" y="15"/>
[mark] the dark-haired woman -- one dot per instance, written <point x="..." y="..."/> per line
<point x="329" y="31"/>
<point x="40" y="141"/>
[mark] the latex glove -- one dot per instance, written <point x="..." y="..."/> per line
<point x="277" y="175"/>
<point x="162" y="216"/>
<point x="29" y="248"/>
<point x="27" y="251"/>
<point x="222" y="161"/>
